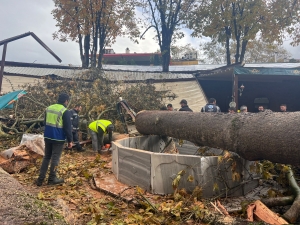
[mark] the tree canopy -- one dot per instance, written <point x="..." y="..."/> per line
<point x="241" y="21"/>
<point x="257" y="52"/>
<point x="94" y="24"/>
<point x="179" y="51"/>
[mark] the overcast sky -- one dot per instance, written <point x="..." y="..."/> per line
<point x="21" y="16"/>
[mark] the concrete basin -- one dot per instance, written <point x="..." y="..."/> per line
<point x="137" y="161"/>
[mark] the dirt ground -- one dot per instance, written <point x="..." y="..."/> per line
<point x="80" y="201"/>
<point x="76" y="199"/>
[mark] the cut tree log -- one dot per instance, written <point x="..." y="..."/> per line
<point x="254" y="136"/>
<point x="263" y="213"/>
<point x="18" y="207"/>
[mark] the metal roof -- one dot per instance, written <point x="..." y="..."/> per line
<point x="40" y="72"/>
<point x="138" y="76"/>
<point x="129" y="72"/>
<point x="112" y="75"/>
<point x="273" y="65"/>
<point x="190" y="68"/>
<point x="194" y="68"/>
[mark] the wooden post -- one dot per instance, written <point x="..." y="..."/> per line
<point x="2" y="65"/>
<point x="236" y="90"/>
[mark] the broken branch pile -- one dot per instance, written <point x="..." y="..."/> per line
<point x="96" y="94"/>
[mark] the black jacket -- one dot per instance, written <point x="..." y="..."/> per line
<point x="74" y="119"/>
<point x="210" y="108"/>
<point x="185" y="108"/>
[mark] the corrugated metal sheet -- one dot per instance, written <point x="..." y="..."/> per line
<point x="40" y="72"/>
<point x="159" y="68"/>
<point x="112" y="75"/>
<point x="141" y="70"/>
<point x="140" y="76"/>
<point x="188" y="90"/>
<point x="11" y="83"/>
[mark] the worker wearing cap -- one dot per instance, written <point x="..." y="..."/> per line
<point x="97" y="130"/>
<point x="184" y="106"/>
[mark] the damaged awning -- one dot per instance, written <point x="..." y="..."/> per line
<point x="6" y="101"/>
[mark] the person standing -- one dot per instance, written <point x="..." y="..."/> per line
<point x="170" y="107"/>
<point x="97" y="130"/>
<point x="261" y="108"/>
<point x="283" y="108"/>
<point x="184" y="106"/>
<point x="164" y="108"/>
<point x="211" y="106"/>
<point x="75" y="126"/>
<point x="231" y="110"/>
<point x="243" y="109"/>
<point x="57" y="129"/>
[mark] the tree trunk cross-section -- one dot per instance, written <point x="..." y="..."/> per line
<point x="254" y="136"/>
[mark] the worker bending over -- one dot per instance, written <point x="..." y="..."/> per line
<point x="97" y="130"/>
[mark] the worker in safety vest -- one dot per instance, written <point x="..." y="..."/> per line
<point x="57" y="130"/>
<point x="97" y="130"/>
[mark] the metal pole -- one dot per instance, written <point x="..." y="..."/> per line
<point x="2" y="65"/>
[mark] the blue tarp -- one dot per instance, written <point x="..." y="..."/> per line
<point x="6" y="101"/>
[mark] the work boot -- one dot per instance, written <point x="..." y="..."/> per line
<point x="55" y="181"/>
<point x="39" y="182"/>
<point x="81" y="150"/>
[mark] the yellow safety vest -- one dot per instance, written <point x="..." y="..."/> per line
<point x="99" y="123"/>
<point x="54" y="122"/>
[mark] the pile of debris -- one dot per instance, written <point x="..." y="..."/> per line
<point x="18" y="158"/>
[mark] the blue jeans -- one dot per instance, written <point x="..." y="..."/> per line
<point x="52" y="153"/>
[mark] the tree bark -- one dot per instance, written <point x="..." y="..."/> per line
<point x="228" y="55"/>
<point x="243" y="52"/>
<point x="254" y="136"/>
<point x="165" y="55"/>
<point x="87" y="39"/>
<point x="18" y="207"/>
<point x="294" y="212"/>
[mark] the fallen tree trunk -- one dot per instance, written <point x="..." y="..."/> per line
<point x="19" y="207"/>
<point x="294" y="212"/>
<point x="254" y="136"/>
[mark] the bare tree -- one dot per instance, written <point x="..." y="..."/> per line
<point x="166" y="17"/>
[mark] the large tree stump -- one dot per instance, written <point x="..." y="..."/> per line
<point x="18" y="207"/>
<point x="254" y="136"/>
